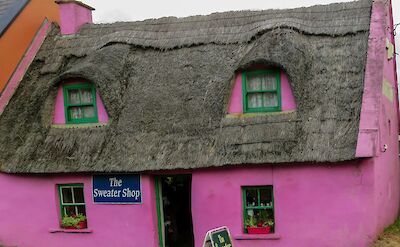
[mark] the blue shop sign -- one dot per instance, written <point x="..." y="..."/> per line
<point x="117" y="188"/>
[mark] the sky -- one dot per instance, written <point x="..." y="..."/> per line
<point x="133" y="10"/>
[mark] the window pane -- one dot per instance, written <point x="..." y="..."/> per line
<point x="87" y="96"/>
<point x="265" y="197"/>
<point x="254" y="100"/>
<point x="251" y="198"/>
<point x="270" y="99"/>
<point x="81" y="210"/>
<point x="88" y="111"/>
<point x="73" y="96"/>
<point x="66" y="195"/>
<point x="75" y="112"/>
<point x="78" y="195"/>
<point x="268" y="82"/>
<point x="254" y="82"/>
<point x="70" y="210"/>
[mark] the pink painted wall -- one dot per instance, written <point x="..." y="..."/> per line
<point x="368" y="137"/>
<point x="387" y="192"/>
<point x="59" y="111"/>
<point x="324" y="205"/>
<point x="378" y="68"/>
<point x="73" y="16"/>
<point x="23" y="65"/>
<point x="30" y="208"/>
<point x="236" y="101"/>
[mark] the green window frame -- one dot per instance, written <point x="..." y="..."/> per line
<point x="72" y="200"/>
<point x="71" y="107"/>
<point x="247" y="92"/>
<point x="261" y="205"/>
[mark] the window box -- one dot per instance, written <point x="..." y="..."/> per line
<point x="258" y="230"/>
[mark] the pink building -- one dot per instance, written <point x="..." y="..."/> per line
<point x="282" y="125"/>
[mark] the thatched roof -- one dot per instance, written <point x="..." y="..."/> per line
<point x="166" y="85"/>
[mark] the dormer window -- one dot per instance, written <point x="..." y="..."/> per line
<point x="261" y="91"/>
<point x="80" y="103"/>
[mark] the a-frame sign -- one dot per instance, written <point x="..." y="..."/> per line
<point x="218" y="237"/>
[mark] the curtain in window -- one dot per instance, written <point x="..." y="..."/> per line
<point x="75" y="112"/>
<point x="73" y="97"/>
<point x="256" y="86"/>
<point x="88" y="111"/>
<point x="87" y="96"/>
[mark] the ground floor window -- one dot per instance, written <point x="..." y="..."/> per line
<point x="258" y="209"/>
<point x="72" y="204"/>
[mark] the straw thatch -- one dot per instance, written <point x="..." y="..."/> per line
<point x="166" y="84"/>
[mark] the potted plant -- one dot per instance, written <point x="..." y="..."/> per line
<point x="74" y="222"/>
<point x="82" y="224"/>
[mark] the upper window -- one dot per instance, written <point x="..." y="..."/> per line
<point x="261" y="91"/>
<point x="258" y="210"/>
<point x="80" y="103"/>
<point x="72" y="204"/>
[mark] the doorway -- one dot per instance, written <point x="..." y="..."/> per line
<point x="173" y="195"/>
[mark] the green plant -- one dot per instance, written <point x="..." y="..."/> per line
<point x="269" y="223"/>
<point x="251" y="222"/>
<point x="261" y="219"/>
<point x="81" y="217"/>
<point x="73" y="221"/>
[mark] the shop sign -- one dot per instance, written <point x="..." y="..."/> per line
<point x="117" y="188"/>
<point x="218" y="237"/>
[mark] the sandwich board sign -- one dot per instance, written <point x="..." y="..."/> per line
<point x="218" y="237"/>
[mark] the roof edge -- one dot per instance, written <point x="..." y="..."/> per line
<point x="368" y="134"/>
<point x="23" y="65"/>
<point x="11" y="14"/>
<point x="76" y="2"/>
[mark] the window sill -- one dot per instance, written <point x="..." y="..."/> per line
<point x="58" y="230"/>
<point x="79" y="126"/>
<point x="259" y="118"/>
<point x="257" y="114"/>
<point x="272" y="236"/>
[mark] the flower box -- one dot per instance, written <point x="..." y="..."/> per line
<point x="259" y="230"/>
<point x="79" y="225"/>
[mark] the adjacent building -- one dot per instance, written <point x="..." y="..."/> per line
<point x="20" y="21"/>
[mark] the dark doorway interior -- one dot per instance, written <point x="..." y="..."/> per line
<point x="176" y="197"/>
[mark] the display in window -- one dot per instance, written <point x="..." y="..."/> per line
<point x="258" y="210"/>
<point x="72" y="203"/>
